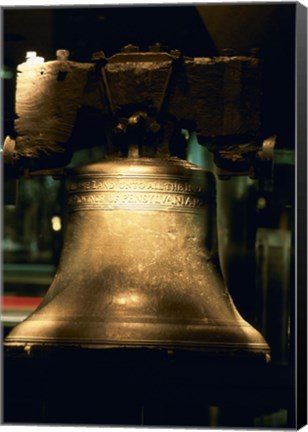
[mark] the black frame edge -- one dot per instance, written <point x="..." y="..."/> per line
<point x="301" y="249"/>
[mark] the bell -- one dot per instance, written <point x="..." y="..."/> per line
<point x="136" y="268"/>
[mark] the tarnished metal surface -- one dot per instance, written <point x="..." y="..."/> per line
<point x="136" y="266"/>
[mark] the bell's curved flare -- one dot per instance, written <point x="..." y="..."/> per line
<point x="136" y="269"/>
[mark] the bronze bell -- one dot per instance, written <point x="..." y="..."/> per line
<point x="136" y="268"/>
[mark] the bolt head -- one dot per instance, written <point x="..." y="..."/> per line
<point x="154" y="127"/>
<point x="30" y="54"/>
<point x="155" y="48"/>
<point x="175" y="53"/>
<point x="62" y="54"/>
<point x="98" y="55"/>
<point x="228" y="52"/>
<point x="130" y="48"/>
<point x="254" y="52"/>
<point x="120" y="129"/>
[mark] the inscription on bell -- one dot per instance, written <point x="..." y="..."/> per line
<point x="133" y="185"/>
<point x="112" y="194"/>
<point x="174" y="200"/>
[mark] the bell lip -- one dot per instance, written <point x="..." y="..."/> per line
<point x="202" y="343"/>
<point x="139" y="166"/>
<point x="27" y="350"/>
<point x="109" y="344"/>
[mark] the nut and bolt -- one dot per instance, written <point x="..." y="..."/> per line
<point x="157" y="47"/>
<point x="98" y="55"/>
<point x="130" y="48"/>
<point x="176" y="53"/>
<point x="121" y="127"/>
<point x="99" y="58"/>
<point x="228" y="52"/>
<point x="62" y="54"/>
<point x="153" y="126"/>
<point x="254" y="52"/>
<point x="31" y="57"/>
<point x="137" y="117"/>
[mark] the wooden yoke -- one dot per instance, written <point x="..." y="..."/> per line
<point x="142" y="101"/>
